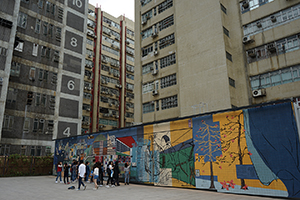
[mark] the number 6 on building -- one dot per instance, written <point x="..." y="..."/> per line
<point x="71" y="85"/>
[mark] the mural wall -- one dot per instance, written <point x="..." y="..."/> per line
<point x="251" y="151"/>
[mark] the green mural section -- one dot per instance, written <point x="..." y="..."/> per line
<point x="181" y="163"/>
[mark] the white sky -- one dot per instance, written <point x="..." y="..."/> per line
<point x="116" y="7"/>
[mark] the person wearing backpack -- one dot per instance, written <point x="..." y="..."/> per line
<point x="110" y="173"/>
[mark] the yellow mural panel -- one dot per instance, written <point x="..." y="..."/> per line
<point x="235" y="151"/>
<point x="181" y="131"/>
<point x="148" y="134"/>
<point x="178" y="183"/>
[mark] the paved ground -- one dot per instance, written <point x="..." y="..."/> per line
<point x="44" y="187"/>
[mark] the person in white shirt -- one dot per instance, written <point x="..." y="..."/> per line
<point x="81" y="173"/>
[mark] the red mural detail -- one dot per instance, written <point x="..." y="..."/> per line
<point x="129" y="141"/>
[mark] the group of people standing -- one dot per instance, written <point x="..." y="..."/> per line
<point x="80" y="171"/>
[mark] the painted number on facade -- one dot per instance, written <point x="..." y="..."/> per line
<point x="67" y="132"/>
<point x="71" y="85"/>
<point x="74" y="42"/>
<point x="78" y="3"/>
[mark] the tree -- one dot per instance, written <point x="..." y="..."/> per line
<point x="233" y="138"/>
<point x="207" y="144"/>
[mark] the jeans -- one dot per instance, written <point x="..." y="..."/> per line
<point x="73" y="176"/>
<point x="126" y="177"/>
<point x="58" y="175"/>
<point x="80" y="182"/>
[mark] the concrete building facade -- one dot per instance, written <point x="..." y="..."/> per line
<point x="202" y="56"/>
<point x="43" y="74"/>
<point x="109" y="72"/>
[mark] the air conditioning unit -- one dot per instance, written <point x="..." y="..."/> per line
<point x="259" y="93"/>
<point x="154" y="92"/>
<point x="273" y="19"/>
<point x="101" y="126"/>
<point x="117" y="38"/>
<point x="90" y="77"/>
<point x="103" y="81"/>
<point x="245" y="4"/>
<point x="110" y="104"/>
<point x="89" y="88"/>
<point x="247" y="40"/>
<point x="144" y="22"/>
<point x="117" y="116"/>
<point x="88" y="109"/>
<point x="258" y="24"/>
<point x="271" y="48"/>
<point x="85" y="88"/>
<point x="154" y="34"/>
<point x="118" y="86"/>
<point x="155" y="53"/>
<point x="252" y="53"/>
<point x="154" y="72"/>
<point x="104" y="60"/>
<point x="127" y="42"/>
<point x="90" y="56"/>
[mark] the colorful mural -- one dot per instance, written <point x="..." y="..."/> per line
<point x="251" y="151"/>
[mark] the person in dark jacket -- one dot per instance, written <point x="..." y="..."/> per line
<point x="87" y="165"/>
<point x="116" y="173"/>
<point x="66" y="173"/>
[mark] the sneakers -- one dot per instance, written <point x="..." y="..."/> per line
<point x="107" y="186"/>
<point x="56" y="182"/>
<point x="84" y="187"/>
<point x="77" y="189"/>
<point x="68" y="183"/>
<point x="113" y="186"/>
<point x="95" y="188"/>
<point x="61" y="182"/>
<point x="100" y="185"/>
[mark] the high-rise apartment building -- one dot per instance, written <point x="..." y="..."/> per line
<point x="109" y="72"/>
<point x="41" y="74"/>
<point x="202" y="56"/>
<point x="66" y="68"/>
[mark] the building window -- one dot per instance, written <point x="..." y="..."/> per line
<point x="40" y="3"/>
<point x="26" y="125"/>
<point x="130" y="68"/>
<point x="45" y="52"/>
<point x="37" y="25"/>
<point x="167" y="61"/>
<point x="157" y="105"/>
<point x="35" y="49"/>
<point x="4" y="149"/>
<point x="90" y="42"/>
<point x="148" y="107"/>
<point x="228" y="56"/>
<point x="169" y="102"/>
<point x="50" y="32"/>
<point x="8" y="122"/>
<point x="20" y="46"/>
<point x="168" y="81"/>
<point x="111" y="23"/>
<point x="129" y="86"/>
<point x="252" y="4"/>
<point x="164" y="6"/>
<point x="281" y="46"/>
<point x="223" y="9"/>
<point x="11" y="95"/>
<point x="43" y="100"/>
<point x="15" y="69"/>
<point x="37" y="99"/>
<point x="129" y="115"/>
<point x="130" y="95"/>
<point x="52" y="102"/>
<point x="147" y="50"/>
<point x="147" y="33"/>
<point x="54" y="79"/>
<point x="147" y="68"/>
<point x="22" y="20"/>
<point x="129" y="32"/>
<point x="166" y="41"/>
<point x="110" y="50"/>
<point x="169" y="21"/>
<point x="43" y="75"/>
<point x="276" y="19"/>
<point x="50" y="126"/>
<point x="130" y="58"/>
<point x="278" y="77"/>
<point x="87" y="95"/>
<point x="225" y="31"/>
<point x="29" y="98"/>
<point x="130" y="40"/>
<point x="130" y="76"/>
<point x="231" y="82"/>
<point x="147" y="87"/>
<point x="146" y="16"/>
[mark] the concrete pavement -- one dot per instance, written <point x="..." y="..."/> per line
<point x="44" y="187"/>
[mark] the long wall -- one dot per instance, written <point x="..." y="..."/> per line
<point x="251" y="151"/>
